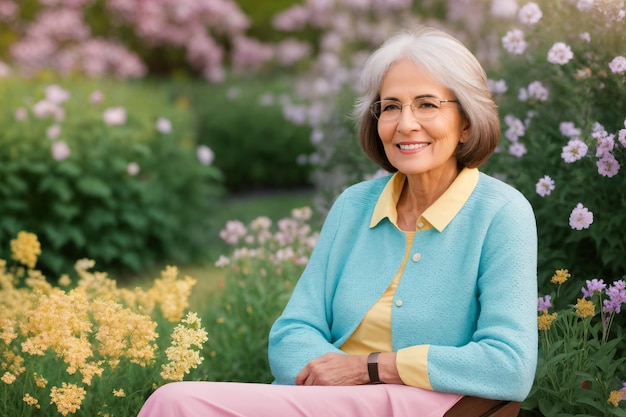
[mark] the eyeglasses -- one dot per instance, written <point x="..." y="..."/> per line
<point x="424" y="108"/>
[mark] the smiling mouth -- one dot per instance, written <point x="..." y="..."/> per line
<point x="412" y="146"/>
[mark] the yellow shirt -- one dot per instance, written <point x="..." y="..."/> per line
<point x="374" y="332"/>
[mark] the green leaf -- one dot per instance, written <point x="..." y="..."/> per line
<point x="94" y="187"/>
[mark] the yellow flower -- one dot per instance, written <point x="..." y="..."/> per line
<point x="8" y="378"/>
<point x="68" y="398"/>
<point x="560" y="276"/>
<point x="585" y="308"/>
<point x="181" y="355"/>
<point x="40" y="381"/>
<point x="615" y="397"/>
<point x="30" y="400"/>
<point x="119" y="393"/>
<point x="25" y="249"/>
<point x="544" y="320"/>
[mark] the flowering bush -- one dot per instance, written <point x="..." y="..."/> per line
<point x="102" y="170"/>
<point x="266" y="261"/>
<point x="89" y="348"/>
<point x="560" y="84"/>
<point x="580" y="371"/>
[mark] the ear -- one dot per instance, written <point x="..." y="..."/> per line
<point x="464" y="134"/>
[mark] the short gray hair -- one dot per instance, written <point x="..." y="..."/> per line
<point x="451" y="64"/>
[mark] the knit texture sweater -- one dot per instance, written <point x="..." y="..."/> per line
<point x="471" y="300"/>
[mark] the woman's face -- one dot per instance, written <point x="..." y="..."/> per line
<point x="414" y="145"/>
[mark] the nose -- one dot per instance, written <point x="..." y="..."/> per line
<point x="407" y="120"/>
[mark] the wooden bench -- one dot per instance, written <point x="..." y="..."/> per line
<point x="482" y="407"/>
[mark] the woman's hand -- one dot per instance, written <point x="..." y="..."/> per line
<point x="335" y="369"/>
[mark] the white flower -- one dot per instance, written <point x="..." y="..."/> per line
<point x="537" y="90"/>
<point x="530" y="14"/>
<point x="504" y="8"/>
<point x="132" y="168"/>
<point x="114" y="116"/>
<point x="163" y="125"/>
<point x="618" y="65"/>
<point x="560" y="54"/>
<point x="514" y="42"/>
<point x="574" y="150"/>
<point x="585" y="5"/>
<point x="544" y="186"/>
<point x="497" y="86"/>
<point x="205" y="155"/>
<point x="56" y="94"/>
<point x="570" y="130"/>
<point x="60" y="150"/>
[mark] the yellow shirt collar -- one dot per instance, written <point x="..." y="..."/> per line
<point x="440" y="213"/>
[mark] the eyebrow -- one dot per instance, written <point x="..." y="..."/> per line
<point x="414" y="98"/>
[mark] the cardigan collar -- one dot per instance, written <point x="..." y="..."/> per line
<point x="440" y="213"/>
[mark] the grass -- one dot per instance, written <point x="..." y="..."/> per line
<point x="244" y="207"/>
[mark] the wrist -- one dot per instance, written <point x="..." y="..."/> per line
<point x="372" y="368"/>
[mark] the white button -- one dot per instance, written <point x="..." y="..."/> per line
<point x="416" y="257"/>
<point x="399" y="303"/>
<point x="420" y="225"/>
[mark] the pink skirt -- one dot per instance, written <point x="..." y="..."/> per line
<point x="234" y="399"/>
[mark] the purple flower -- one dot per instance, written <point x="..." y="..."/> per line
<point x="544" y="303"/>
<point x="617" y="296"/>
<point x="618" y="65"/>
<point x="593" y="286"/>
<point x="580" y="218"/>
<point x="574" y="150"/>
<point x="608" y="166"/>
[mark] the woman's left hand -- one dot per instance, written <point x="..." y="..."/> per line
<point x="335" y="369"/>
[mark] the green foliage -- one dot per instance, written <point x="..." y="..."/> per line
<point x="89" y="204"/>
<point x="579" y="360"/>
<point x="242" y="122"/>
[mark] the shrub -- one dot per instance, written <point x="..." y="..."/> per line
<point x="563" y="106"/>
<point x="242" y="122"/>
<point x="103" y="170"/>
<point x="89" y="348"/>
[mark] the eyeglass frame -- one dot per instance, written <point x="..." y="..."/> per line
<point x="402" y="106"/>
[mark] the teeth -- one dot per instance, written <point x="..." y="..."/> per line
<point x="413" y="146"/>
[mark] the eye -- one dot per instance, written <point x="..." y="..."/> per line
<point x="426" y="103"/>
<point x="390" y="106"/>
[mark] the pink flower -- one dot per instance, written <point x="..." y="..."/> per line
<point x="56" y="94"/>
<point x="618" y="65"/>
<point x="538" y="91"/>
<point x="163" y="125"/>
<point x="544" y="303"/>
<point x="233" y="231"/>
<point x="205" y="155"/>
<point x="569" y="129"/>
<point x="114" y="116"/>
<point x="21" y="114"/>
<point x="60" y="150"/>
<point x="132" y="168"/>
<point x="53" y="131"/>
<point x="530" y="14"/>
<point x="96" y="97"/>
<point x="574" y="150"/>
<point x="497" y="86"/>
<point x="622" y="137"/>
<point x="514" y="42"/>
<point x="608" y="165"/>
<point x="517" y="149"/>
<point x="580" y="218"/>
<point x="560" y="54"/>
<point x="5" y="71"/>
<point x="544" y="186"/>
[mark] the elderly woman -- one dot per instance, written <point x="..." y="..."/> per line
<point x="422" y="286"/>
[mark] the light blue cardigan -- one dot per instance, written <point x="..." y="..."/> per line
<point x="472" y="297"/>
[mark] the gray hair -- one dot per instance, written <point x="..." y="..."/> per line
<point x="452" y="65"/>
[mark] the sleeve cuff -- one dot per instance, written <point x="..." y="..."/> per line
<point x="412" y="365"/>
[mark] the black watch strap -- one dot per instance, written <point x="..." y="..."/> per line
<point x="372" y="367"/>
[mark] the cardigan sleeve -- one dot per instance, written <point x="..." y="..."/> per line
<point x="302" y="332"/>
<point x="500" y="360"/>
